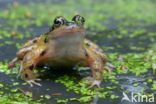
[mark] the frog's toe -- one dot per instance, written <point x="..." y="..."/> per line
<point x="95" y="83"/>
<point x="33" y="82"/>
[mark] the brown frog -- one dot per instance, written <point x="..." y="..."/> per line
<point x="64" y="45"/>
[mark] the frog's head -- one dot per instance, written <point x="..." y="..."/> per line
<point x="68" y="32"/>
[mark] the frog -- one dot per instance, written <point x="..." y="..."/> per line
<point x="64" y="44"/>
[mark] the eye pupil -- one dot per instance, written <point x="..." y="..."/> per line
<point x="57" y="22"/>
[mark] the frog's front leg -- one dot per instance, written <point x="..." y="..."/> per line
<point x="20" y="56"/>
<point x="96" y="64"/>
<point x="26" y="70"/>
<point x="22" y="52"/>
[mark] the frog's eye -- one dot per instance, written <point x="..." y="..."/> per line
<point x="78" y="19"/>
<point x="58" y="21"/>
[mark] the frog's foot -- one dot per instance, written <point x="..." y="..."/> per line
<point x="33" y="82"/>
<point x="92" y="82"/>
<point x="95" y="83"/>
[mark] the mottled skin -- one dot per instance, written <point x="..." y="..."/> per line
<point x="64" y="45"/>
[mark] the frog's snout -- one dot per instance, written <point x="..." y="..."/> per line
<point x="72" y="26"/>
